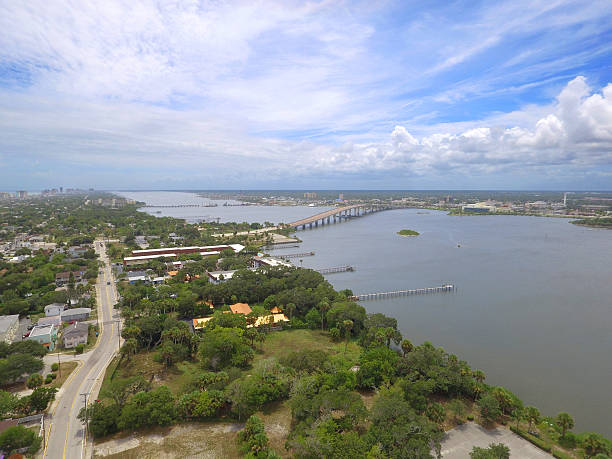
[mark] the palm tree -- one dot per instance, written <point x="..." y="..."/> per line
<point x="565" y="421"/>
<point x="532" y="415"/>
<point x="290" y="308"/>
<point x="517" y="415"/>
<point x="406" y="346"/>
<point x="324" y="306"/>
<point x="346" y="327"/>
<point x="479" y="376"/>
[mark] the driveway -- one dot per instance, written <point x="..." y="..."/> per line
<point x="458" y="442"/>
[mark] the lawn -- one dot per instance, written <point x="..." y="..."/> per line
<point x="279" y="344"/>
<point x="66" y="368"/>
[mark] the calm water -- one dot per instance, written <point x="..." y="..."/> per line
<point x="533" y="308"/>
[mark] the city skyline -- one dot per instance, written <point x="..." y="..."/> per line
<point x="151" y="95"/>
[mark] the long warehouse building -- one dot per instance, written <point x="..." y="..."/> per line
<point x="143" y="256"/>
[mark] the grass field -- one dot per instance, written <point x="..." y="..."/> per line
<point x="216" y="438"/>
<point x="66" y="368"/>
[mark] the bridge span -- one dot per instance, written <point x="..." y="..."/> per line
<point x="329" y="216"/>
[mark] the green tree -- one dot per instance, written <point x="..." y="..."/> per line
<point x="17" y="437"/>
<point x="489" y="408"/>
<point x="594" y="444"/>
<point x="102" y="418"/>
<point x="8" y="403"/>
<point x="406" y="346"/>
<point x="532" y="414"/>
<point x="16" y="365"/>
<point x="313" y="318"/>
<point x="565" y="422"/>
<point x="40" y="398"/>
<point x="494" y="451"/>
<point x="223" y="347"/>
<point x="518" y="414"/>
<point x="457" y="407"/>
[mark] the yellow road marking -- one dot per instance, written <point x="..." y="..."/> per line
<point x="86" y="377"/>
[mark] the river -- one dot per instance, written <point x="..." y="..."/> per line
<point x="533" y="306"/>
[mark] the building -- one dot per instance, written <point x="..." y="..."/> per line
<point x="258" y="262"/>
<point x="53" y="320"/>
<point x="45" y="335"/>
<point x="479" y="208"/>
<point x="241" y="308"/>
<point x="62" y="279"/>
<point x="146" y="255"/>
<point x="75" y="334"/>
<point x="216" y="277"/>
<point x="54" y="309"/>
<point x="200" y="323"/>
<point x="76" y="314"/>
<point x="275" y="321"/>
<point x="8" y="327"/>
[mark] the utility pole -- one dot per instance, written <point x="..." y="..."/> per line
<point x="59" y="366"/>
<point x="86" y="417"/>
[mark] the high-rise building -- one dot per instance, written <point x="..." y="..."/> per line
<point x="22" y="194"/>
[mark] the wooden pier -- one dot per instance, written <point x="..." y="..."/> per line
<point x="337" y="269"/>
<point x="297" y="255"/>
<point x="417" y="291"/>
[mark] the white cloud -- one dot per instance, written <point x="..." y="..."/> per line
<point x="578" y="132"/>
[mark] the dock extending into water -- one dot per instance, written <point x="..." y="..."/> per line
<point x="337" y="269"/>
<point x="417" y="291"/>
<point x="297" y="255"/>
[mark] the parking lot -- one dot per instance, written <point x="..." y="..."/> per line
<point x="458" y="442"/>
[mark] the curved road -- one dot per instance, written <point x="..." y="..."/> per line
<point x="65" y="433"/>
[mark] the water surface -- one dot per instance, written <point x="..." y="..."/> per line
<point x="533" y="307"/>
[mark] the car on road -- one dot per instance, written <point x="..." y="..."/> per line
<point x="108" y="283"/>
<point x="25" y="335"/>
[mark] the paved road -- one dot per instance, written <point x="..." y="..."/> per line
<point x="65" y="433"/>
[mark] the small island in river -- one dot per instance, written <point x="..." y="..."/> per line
<point x="407" y="232"/>
<point x="597" y="222"/>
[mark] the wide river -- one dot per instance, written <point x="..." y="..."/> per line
<point x="533" y="306"/>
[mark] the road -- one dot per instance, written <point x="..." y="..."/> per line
<point x="65" y="433"/>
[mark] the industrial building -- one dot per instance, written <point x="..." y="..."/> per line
<point x="146" y="255"/>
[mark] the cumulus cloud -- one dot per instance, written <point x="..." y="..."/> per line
<point x="577" y="132"/>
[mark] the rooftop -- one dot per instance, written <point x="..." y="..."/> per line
<point x="241" y="308"/>
<point x="41" y="330"/>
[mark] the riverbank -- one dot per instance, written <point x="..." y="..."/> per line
<point x="604" y="223"/>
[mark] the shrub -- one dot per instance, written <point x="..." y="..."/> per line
<point x="532" y="439"/>
<point x="470" y="417"/>
<point x="53" y="375"/>
<point x="48" y="378"/>
<point x="334" y="333"/>
<point x="55" y="367"/>
<point x="18" y="437"/>
<point x="569" y="441"/>
<point x="79" y="348"/>
<point x="34" y="380"/>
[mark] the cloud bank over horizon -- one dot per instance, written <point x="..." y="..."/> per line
<point x="154" y="94"/>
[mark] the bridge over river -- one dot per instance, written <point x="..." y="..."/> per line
<point x="329" y="216"/>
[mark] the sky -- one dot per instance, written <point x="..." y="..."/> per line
<point x="146" y="94"/>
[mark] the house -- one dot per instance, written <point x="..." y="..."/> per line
<point x="200" y="323"/>
<point x="274" y="320"/>
<point x="54" y="309"/>
<point x="54" y="320"/>
<point x="241" y="308"/>
<point x="8" y="327"/>
<point x="62" y="279"/>
<point x="78" y="251"/>
<point x="276" y="310"/>
<point x="75" y="334"/>
<point x="216" y="277"/>
<point x="258" y="262"/>
<point x="76" y="314"/>
<point x="45" y="335"/>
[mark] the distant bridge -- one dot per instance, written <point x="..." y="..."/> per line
<point x="329" y="216"/>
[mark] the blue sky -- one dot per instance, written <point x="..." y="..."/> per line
<point x="322" y="94"/>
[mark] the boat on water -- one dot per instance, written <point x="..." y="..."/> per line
<point x="311" y="205"/>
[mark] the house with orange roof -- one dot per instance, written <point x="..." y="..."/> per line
<point x="276" y="310"/>
<point x="241" y="308"/>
